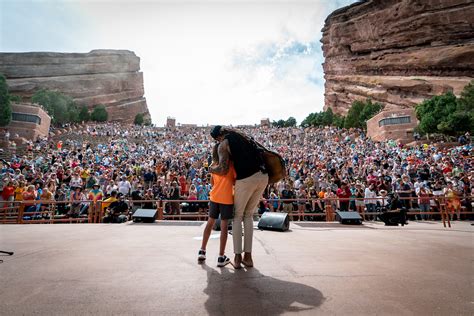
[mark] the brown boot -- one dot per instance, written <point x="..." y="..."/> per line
<point x="238" y="261"/>
<point x="247" y="261"/>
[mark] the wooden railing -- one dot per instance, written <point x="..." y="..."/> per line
<point x="49" y="212"/>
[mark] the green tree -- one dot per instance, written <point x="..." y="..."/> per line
<point x="279" y="123"/>
<point x="308" y="120"/>
<point x="466" y="100"/>
<point x="338" y="121"/>
<point x="99" y="113"/>
<point x="436" y="114"/>
<point x="327" y="117"/>
<point x="428" y="124"/>
<point x="290" y="122"/>
<point x="15" y="98"/>
<point x="324" y="118"/>
<point x="5" y="104"/>
<point x="370" y="109"/>
<point x="60" y="107"/>
<point x="353" y="115"/>
<point x="447" y="114"/>
<point x="84" y="114"/>
<point x="360" y="112"/>
<point x="73" y="112"/>
<point x="138" y="119"/>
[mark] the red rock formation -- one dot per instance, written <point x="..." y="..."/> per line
<point x="108" y="77"/>
<point x="397" y="52"/>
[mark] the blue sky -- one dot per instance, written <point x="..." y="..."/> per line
<point x="204" y="62"/>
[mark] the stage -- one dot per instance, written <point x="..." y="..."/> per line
<point x="315" y="268"/>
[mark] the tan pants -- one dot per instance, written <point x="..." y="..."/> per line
<point x="247" y="195"/>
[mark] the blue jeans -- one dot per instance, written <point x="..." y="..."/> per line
<point x="371" y="209"/>
<point x="424" y="208"/>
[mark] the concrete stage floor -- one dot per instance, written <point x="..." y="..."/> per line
<point x="318" y="268"/>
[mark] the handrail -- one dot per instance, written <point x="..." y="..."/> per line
<point x="96" y="209"/>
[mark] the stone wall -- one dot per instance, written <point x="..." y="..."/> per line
<point x="29" y="130"/>
<point x="397" y="52"/>
<point x="403" y="133"/>
<point x="108" y="77"/>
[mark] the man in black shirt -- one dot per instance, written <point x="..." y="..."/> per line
<point x="118" y="210"/>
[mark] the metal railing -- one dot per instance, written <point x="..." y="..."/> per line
<point x="49" y="212"/>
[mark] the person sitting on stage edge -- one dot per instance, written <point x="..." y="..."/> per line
<point x="221" y="202"/>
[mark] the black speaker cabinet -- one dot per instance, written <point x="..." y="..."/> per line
<point x="350" y="218"/>
<point x="274" y="221"/>
<point x="144" y="215"/>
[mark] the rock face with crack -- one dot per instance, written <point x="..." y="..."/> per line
<point x="108" y="77"/>
<point x="397" y="52"/>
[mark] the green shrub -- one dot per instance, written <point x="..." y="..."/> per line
<point x="99" y="113"/>
<point x="446" y="114"/>
<point x="84" y="114"/>
<point x="5" y="103"/>
<point x="59" y="106"/>
<point x="138" y="119"/>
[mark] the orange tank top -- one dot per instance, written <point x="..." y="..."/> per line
<point x="223" y="186"/>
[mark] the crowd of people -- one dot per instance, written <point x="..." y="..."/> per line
<point x="328" y="169"/>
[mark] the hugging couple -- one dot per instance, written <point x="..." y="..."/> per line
<point x="238" y="182"/>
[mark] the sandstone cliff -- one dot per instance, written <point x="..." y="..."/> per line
<point x="109" y="77"/>
<point x="397" y="52"/>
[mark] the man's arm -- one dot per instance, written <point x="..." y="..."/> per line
<point x="224" y="156"/>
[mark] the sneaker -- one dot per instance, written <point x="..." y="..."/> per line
<point x="202" y="255"/>
<point x="222" y="261"/>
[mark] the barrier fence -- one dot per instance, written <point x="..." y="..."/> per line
<point x="49" y="212"/>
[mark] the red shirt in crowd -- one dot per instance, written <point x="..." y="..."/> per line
<point x="371" y="179"/>
<point x="8" y="191"/>
<point x="182" y="183"/>
<point x="343" y="193"/>
<point x="447" y="169"/>
<point x="29" y="196"/>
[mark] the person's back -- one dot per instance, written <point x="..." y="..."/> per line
<point x="244" y="156"/>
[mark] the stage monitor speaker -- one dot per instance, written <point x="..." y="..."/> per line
<point x="274" y="221"/>
<point x="351" y="218"/>
<point x="144" y="215"/>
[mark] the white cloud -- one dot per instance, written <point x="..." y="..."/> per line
<point x="189" y="49"/>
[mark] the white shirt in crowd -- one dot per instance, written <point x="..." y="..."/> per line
<point x="297" y="184"/>
<point x="75" y="182"/>
<point x="418" y="186"/>
<point x="124" y="187"/>
<point x="369" y="194"/>
<point x="383" y="200"/>
<point x="111" y="187"/>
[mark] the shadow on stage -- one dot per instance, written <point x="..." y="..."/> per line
<point x="248" y="292"/>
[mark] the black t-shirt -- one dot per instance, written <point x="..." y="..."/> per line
<point x="136" y="195"/>
<point x="405" y="187"/>
<point x="118" y="207"/>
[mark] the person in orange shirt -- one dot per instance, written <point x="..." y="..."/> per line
<point x="221" y="202"/>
